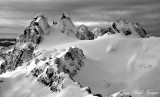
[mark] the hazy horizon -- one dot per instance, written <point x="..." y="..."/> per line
<point x="15" y="15"/>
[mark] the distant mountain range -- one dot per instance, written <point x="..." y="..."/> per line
<point x="5" y="42"/>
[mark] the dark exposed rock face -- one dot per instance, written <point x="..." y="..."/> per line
<point x="98" y="95"/>
<point x="88" y="90"/>
<point x="71" y="62"/>
<point x="84" y="34"/>
<point x="47" y="74"/>
<point x="25" y="44"/>
<point x="52" y="79"/>
<point x="15" y="56"/>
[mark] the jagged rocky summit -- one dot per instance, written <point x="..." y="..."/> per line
<point x="36" y="30"/>
<point x="119" y="26"/>
<point x="23" y="49"/>
<point x="67" y="27"/>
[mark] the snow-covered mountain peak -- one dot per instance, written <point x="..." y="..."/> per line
<point x="41" y="21"/>
<point x="84" y="33"/>
<point x="66" y="25"/>
<point x="25" y="44"/>
<point x="129" y="28"/>
<point x="36" y="30"/>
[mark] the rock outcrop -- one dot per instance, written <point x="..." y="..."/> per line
<point x="71" y="61"/>
<point x="84" y="34"/>
<point x="51" y="78"/>
<point x="50" y="71"/>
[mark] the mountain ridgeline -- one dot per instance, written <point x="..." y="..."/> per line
<point x="119" y="26"/>
<point x="50" y="70"/>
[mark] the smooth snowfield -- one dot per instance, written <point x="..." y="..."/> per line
<point x="113" y="62"/>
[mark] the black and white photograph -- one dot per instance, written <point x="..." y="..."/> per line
<point x="79" y="48"/>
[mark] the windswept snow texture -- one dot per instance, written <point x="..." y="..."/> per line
<point x="118" y="62"/>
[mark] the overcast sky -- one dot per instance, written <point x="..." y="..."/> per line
<point x="15" y="15"/>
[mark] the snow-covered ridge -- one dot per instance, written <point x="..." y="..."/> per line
<point x="69" y="67"/>
<point x="52" y="71"/>
<point x="44" y="67"/>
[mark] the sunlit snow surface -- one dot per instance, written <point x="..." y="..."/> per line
<point x="113" y="62"/>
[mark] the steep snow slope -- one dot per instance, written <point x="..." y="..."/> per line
<point x="39" y="78"/>
<point x="21" y="84"/>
